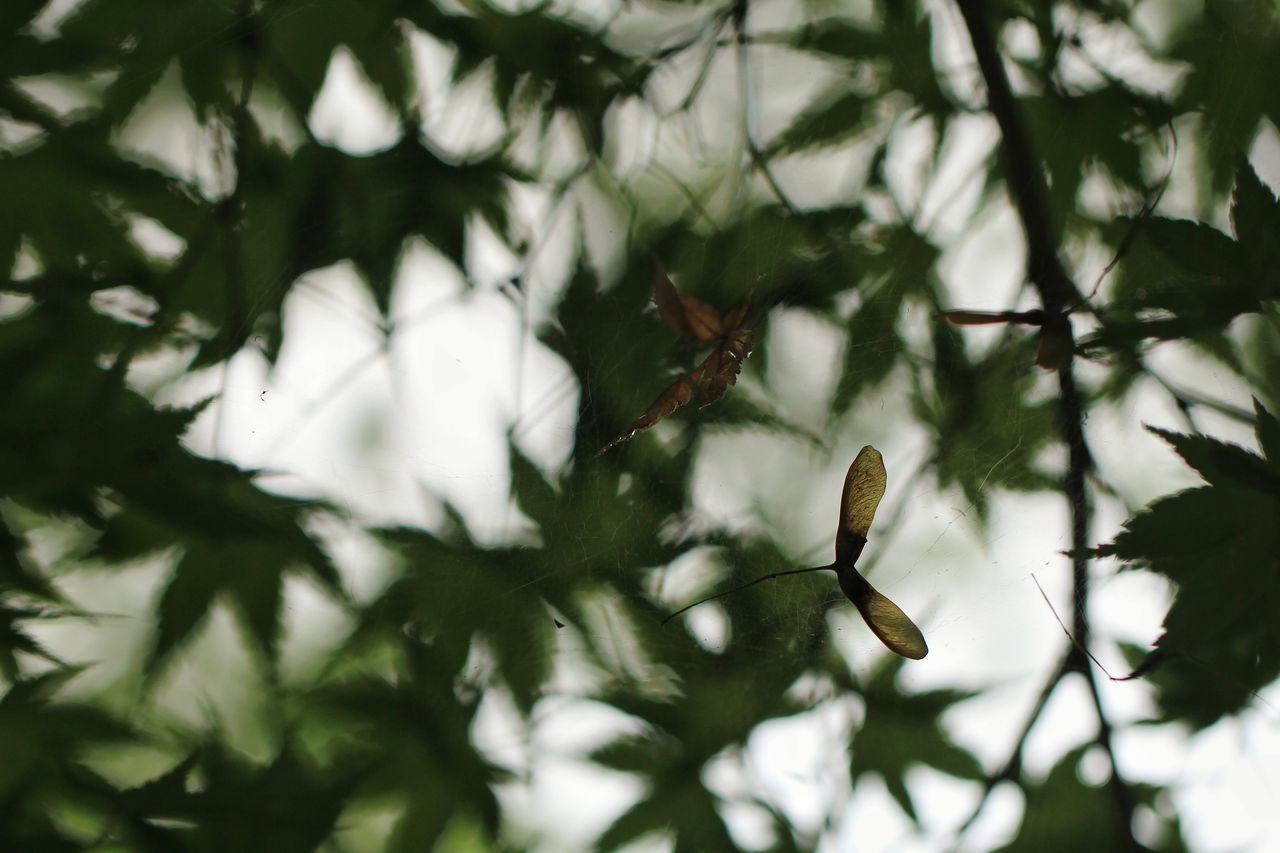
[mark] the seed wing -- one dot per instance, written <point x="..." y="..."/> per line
<point x="887" y="621"/>
<point x="673" y="397"/>
<point x="863" y="488"/>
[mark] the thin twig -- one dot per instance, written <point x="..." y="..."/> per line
<point x="233" y="248"/>
<point x="1076" y="643"/>
<point x="1025" y="179"/>
<point x="746" y="585"/>
<point x="1183" y="398"/>
<point x="759" y="160"/>
<point x="705" y="68"/>
<point x="1143" y="215"/>
<point x="1153" y="659"/>
<point x="1013" y="765"/>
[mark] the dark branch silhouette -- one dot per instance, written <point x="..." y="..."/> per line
<point x="1057" y="294"/>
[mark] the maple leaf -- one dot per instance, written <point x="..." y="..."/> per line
<point x="699" y="322"/>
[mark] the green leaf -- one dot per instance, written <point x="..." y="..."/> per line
<point x="166" y="794"/>
<point x="1197" y="248"/>
<point x="216" y="798"/>
<point x="635" y="754"/>
<point x="1078" y="134"/>
<point x="15" y="574"/>
<point x="17" y="13"/>
<point x="829" y="120"/>
<point x="735" y="411"/>
<point x="1222" y="464"/>
<point x="14" y="639"/>
<point x="989" y="428"/>
<point x="838" y="37"/>
<point x="1218" y="84"/>
<point x="874" y="347"/>
<point x="461" y="592"/>
<point x="67" y="221"/>
<point x="896" y="54"/>
<point x="685" y="734"/>
<point x="143" y="45"/>
<point x="1065" y="813"/>
<point x="682" y="808"/>
<point x="902" y="730"/>
<point x="43" y="738"/>
<point x="574" y="69"/>
<point x="802" y="260"/>
<point x="898" y="264"/>
<point x="296" y="42"/>
<point x="1255" y="216"/>
<point x="683" y="702"/>
<point x="534" y="495"/>
<point x="1220" y="545"/>
<point x="235" y="539"/>
<point x="1268" y="432"/>
<point x="908" y="32"/>
<point x="200" y="576"/>
<point x="412" y="741"/>
<point x="1184" y="279"/>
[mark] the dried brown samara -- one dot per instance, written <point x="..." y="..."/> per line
<point x="864" y="486"/>
<point x="1055" y="346"/>
<point x="696" y="320"/>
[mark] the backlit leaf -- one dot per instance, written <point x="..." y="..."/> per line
<point x="902" y="730"/>
<point x="1219" y="544"/>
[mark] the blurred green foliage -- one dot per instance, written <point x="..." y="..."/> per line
<point x="1218" y="544"/>
<point x="388" y="722"/>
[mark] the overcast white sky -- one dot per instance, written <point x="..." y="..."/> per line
<point x="342" y="417"/>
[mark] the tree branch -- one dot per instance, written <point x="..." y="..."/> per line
<point x="1057" y="294"/>
<point x="1013" y="765"/>
<point x="758" y="159"/>
<point x="1024" y="176"/>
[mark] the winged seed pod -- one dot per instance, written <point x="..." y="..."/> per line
<point x="1055" y="346"/>
<point x="864" y="486"/>
<point x="699" y="322"/>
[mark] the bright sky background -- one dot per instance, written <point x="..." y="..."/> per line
<point x="387" y="432"/>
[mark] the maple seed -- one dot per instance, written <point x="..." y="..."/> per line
<point x="864" y="486"/>
<point x="1055" y="346"/>
<point x="987" y="318"/>
<point x="696" y="320"/>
